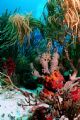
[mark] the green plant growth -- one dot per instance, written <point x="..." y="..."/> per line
<point x="52" y="17"/>
<point x="16" y="28"/>
<point x="23" y="72"/>
<point x="23" y="61"/>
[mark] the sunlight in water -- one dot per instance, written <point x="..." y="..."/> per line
<point x="24" y="6"/>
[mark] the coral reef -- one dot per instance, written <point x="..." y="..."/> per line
<point x="71" y="17"/>
<point x="72" y="9"/>
<point x="44" y="60"/>
<point x="62" y="96"/>
<point x="51" y="61"/>
<point x="9" y="66"/>
<point x="17" y="27"/>
<point x="22" y="25"/>
<point x="52" y="77"/>
<point x="54" y="62"/>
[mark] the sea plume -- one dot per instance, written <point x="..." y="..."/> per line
<point x="22" y="24"/>
<point x="71" y="17"/>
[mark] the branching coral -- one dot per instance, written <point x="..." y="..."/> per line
<point x="44" y="60"/>
<point x="8" y="36"/>
<point x="54" y="62"/>
<point x="51" y="77"/>
<point x="65" y="101"/>
<point x="34" y="72"/>
<point x="71" y="16"/>
<point x="16" y="28"/>
<point x="53" y="27"/>
<point x="22" y="25"/>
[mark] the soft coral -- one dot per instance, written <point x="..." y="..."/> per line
<point x="9" y="65"/>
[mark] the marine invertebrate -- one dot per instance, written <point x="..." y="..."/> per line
<point x="54" y="62"/>
<point x="16" y="27"/>
<point x="53" y="21"/>
<point x="51" y="77"/>
<point x="9" y="66"/>
<point x="64" y="101"/>
<point x="54" y="81"/>
<point x="41" y="113"/>
<point x="71" y="15"/>
<point x="22" y="25"/>
<point x="44" y="60"/>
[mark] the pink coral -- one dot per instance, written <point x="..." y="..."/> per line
<point x="36" y="73"/>
<point x="44" y="60"/>
<point x="54" y="62"/>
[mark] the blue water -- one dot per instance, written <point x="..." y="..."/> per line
<point x="24" y="6"/>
